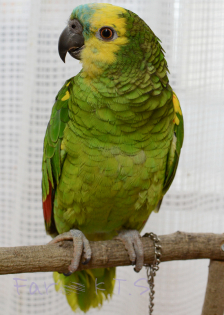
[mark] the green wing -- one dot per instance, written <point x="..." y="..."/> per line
<point x="53" y="155"/>
<point x="176" y="145"/>
<point x="175" y="148"/>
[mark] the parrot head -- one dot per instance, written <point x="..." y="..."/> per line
<point x="104" y="36"/>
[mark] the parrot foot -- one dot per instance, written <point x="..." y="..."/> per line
<point x="132" y="241"/>
<point x="81" y="245"/>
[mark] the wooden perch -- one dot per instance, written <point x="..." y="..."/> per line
<point x="57" y="257"/>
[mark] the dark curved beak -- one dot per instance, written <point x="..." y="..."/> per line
<point x="70" y="42"/>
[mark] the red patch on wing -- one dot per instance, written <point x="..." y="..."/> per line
<point x="47" y="205"/>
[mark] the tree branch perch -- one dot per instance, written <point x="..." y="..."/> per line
<point x="57" y="257"/>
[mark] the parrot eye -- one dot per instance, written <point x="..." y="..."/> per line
<point x="106" y="33"/>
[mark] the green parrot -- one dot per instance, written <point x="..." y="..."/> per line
<point x="112" y="144"/>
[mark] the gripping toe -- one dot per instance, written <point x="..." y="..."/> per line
<point x="133" y="244"/>
<point x="81" y="245"/>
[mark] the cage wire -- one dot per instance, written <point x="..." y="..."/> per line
<point x="31" y="74"/>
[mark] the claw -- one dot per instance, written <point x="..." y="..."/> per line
<point x="133" y="244"/>
<point x="81" y="245"/>
<point x="67" y="274"/>
<point x="86" y="261"/>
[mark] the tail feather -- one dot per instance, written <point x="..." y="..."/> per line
<point x="86" y="288"/>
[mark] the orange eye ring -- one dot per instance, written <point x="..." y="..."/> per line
<point x="106" y="33"/>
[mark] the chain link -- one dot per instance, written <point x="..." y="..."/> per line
<point x="152" y="269"/>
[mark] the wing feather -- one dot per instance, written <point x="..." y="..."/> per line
<point x="52" y="156"/>
<point x="175" y="148"/>
<point x="176" y="145"/>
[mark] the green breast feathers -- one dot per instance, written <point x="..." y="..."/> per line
<point x="93" y="163"/>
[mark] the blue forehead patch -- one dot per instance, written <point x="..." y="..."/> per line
<point x="83" y="14"/>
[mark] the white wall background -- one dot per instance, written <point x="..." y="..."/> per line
<point x="31" y="73"/>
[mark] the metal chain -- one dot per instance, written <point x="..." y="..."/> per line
<point x="152" y="269"/>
